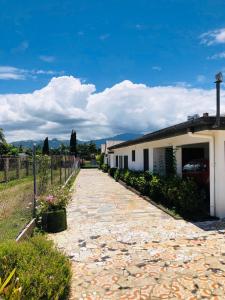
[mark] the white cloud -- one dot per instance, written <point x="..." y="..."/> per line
<point x="213" y="37"/>
<point x="13" y="73"/>
<point x="67" y="103"/>
<point x="201" y="78"/>
<point x="156" y="68"/>
<point x="217" y="55"/>
<point x="23" y="46"/>
<point x="47" y="58"/>
<point x="104" y="36"/>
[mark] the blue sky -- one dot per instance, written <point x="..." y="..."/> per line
<point x="105" y="42"/>
<point x="164" y="43"/>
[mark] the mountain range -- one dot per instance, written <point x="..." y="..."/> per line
<point x="55" y="143"/>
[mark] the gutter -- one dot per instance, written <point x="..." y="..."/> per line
<point x="212" y="163"/>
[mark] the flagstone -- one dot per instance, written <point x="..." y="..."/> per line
<point x="122" y="247"/>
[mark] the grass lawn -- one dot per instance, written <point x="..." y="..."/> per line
<point x="15" y="207"/>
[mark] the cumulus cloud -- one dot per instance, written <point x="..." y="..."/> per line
<point x="67" y="103"/>
<point x="213" y="37"/>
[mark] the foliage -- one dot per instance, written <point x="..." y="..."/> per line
<point x="87" y="150"/>
<point x="181" y="195"/>
<point x="100" y="159"/>
<point x="105" y="168"/>
<point x="44" y="273"/>
<point x="73" y="143"/>
<point x="117" y="175"/>
<point x="43" y="173"/>
<point x="10" y="288"/>
<point x="56" y="198"/>
<point x="45" y="149"/>
<point x="112" y="171"/>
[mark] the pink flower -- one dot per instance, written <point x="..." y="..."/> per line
<point x="50" y="198"/>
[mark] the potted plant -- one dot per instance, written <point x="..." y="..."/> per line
<point x="52" y="209"/>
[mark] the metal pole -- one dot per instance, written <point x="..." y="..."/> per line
<point x="35" y="180"/>
<point x="218" y="103"/>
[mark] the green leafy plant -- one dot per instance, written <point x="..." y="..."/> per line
<point x="43" y="272"/>
<point x="105" y="168"/>
<point x="117" y="175"/>
<point x="56" y="198"/>
<point x="9" y="288"/>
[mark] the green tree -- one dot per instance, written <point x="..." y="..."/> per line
<point x="45" y="149"/>
<point x="2" y="136"/>
<point x="73" y="143"/>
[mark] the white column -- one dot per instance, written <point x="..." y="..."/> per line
<point x="178" y="157"/>
<point x="219" y="175"/>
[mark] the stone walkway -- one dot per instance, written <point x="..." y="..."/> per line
<point x="122" y="247"/>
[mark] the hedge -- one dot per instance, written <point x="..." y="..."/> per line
<point x="181" y="195"/>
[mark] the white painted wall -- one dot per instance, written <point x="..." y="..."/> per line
<point x="216" y="140"/>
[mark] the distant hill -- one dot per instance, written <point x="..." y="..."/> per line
<point x="55" y="143"/>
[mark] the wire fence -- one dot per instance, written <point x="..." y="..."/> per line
<point x="19" y="183"/>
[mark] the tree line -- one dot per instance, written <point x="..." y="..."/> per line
<point x="84" y="150"/>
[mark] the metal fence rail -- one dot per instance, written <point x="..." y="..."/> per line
<point x="17" y="182"/>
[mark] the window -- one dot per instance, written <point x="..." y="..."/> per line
<point x="117" y="161"/>
<point x="133" y="155"/>
<point x="125" y="162"/>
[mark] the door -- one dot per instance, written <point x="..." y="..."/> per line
<point x="146" y="159"/>
<point x="125" y="162"/>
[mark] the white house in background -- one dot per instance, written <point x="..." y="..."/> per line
<point x="196" y="138"/>
<point x="105" y="150"/>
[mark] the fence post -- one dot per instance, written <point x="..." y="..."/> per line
<point x="35" y="180"/>
<point x="6" y="168"/>
<point x="51" y="170"/>
<point x="18" y="168"/>
<point x="27" y="166"/>
<point x="65" y="167"/>
<point x="60" y="169"/>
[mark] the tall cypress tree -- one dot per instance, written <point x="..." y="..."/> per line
<point x="73" y="143"/>
<point x="45" y="149"/>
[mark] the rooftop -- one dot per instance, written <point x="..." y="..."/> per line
<point x="195" y="125"/>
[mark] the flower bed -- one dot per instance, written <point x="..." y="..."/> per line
<point x="182" y="196"/>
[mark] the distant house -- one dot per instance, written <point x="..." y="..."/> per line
<point x="196" y="138"/>
<point x="105" y="150"/>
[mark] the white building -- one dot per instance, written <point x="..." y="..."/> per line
<point x="197" y="138"/>
<point x="105" y="150"/>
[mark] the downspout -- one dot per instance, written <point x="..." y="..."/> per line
<point x="212" y="139"/>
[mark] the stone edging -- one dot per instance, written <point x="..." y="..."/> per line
<point x="146" y="198"/>
<point x="27" y="231"/>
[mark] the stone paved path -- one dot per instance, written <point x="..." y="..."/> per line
<point x="122" y="247"/>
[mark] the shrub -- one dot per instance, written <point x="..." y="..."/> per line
<point x="126" y="177"/>
<point x="156" y="189"/>
<point x="112" y="171"/>
<point x="105" y="168"/>
<point x="117" y="175"/>
<point x="43" y="272"/>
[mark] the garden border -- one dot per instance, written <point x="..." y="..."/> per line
<point x="27" y="231"/>
<point x="146" y="198"/>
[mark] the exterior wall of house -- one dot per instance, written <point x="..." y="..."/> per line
<point x="216" y="140"/>
<point x="219" y="174"/>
